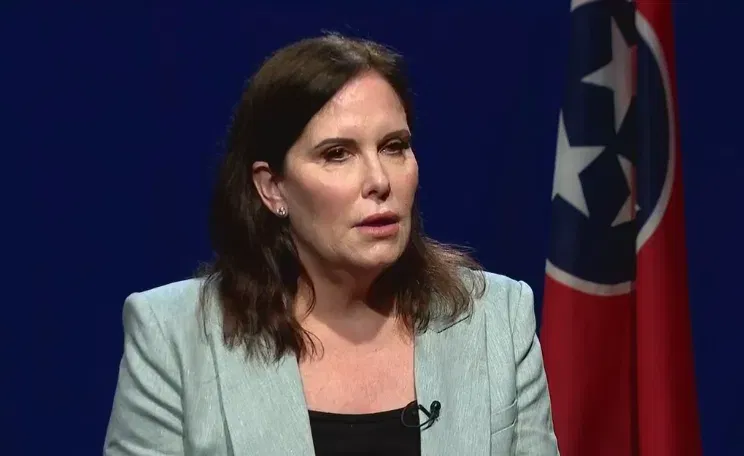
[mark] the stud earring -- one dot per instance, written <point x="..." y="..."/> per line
<point x="282" y="212"/>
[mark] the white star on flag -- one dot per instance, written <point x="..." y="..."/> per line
<point x="577" y="3"/>
<point x="569" y="163"/>
<point x="618" y="74"/>
<point x="629" y="209"/>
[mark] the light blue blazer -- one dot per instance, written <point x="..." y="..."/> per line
<point x="181" y="391"/>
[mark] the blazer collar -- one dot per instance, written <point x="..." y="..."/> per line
<point x="265" y="408"/>
<point x="450" y="369"/>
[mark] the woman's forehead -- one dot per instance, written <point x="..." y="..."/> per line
<point x="365" y="105"/>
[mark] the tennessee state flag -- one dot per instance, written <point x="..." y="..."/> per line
<point x="616" y="329"/>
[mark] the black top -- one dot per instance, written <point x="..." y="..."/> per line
<point x="371" y="434"/>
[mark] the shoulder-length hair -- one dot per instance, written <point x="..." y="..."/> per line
<point x="256" y="268"/>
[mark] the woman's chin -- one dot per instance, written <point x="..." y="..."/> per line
<point x="376" y="261"/>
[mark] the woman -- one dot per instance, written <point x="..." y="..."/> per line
<point x="328" y="323"/>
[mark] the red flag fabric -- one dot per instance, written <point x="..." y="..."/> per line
<point x="616" y="326"/>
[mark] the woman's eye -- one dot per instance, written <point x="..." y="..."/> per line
<point x="336" y="154"/>
<point x="397" y="147"/>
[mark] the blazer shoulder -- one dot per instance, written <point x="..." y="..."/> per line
<point x="174" y="306"/>
<point x="504" y="299"/>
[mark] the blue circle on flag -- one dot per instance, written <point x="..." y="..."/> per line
<point x="617" y="147"/>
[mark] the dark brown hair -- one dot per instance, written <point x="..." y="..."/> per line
<point x="256" y="268"/>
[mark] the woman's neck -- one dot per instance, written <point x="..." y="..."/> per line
<point x="342" y="305"/>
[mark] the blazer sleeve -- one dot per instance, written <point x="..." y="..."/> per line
<point x="534" y="428"/>
<point x="146" y="417"/>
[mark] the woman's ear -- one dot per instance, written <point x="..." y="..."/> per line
<point x="267" y="185"/>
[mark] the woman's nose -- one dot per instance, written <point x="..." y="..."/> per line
<point x="376" y="181"/>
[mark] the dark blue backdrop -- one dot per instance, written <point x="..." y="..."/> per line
<point x="113" y="117"/>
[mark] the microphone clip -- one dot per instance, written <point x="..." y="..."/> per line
<point x="432" y="415"/>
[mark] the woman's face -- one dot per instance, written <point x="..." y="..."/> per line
<point x="352" y="163"/>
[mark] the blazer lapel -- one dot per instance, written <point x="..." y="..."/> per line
<point x="264" y="405"/>
<point x="450" y="368"/>
<point x="266" y="413"/>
